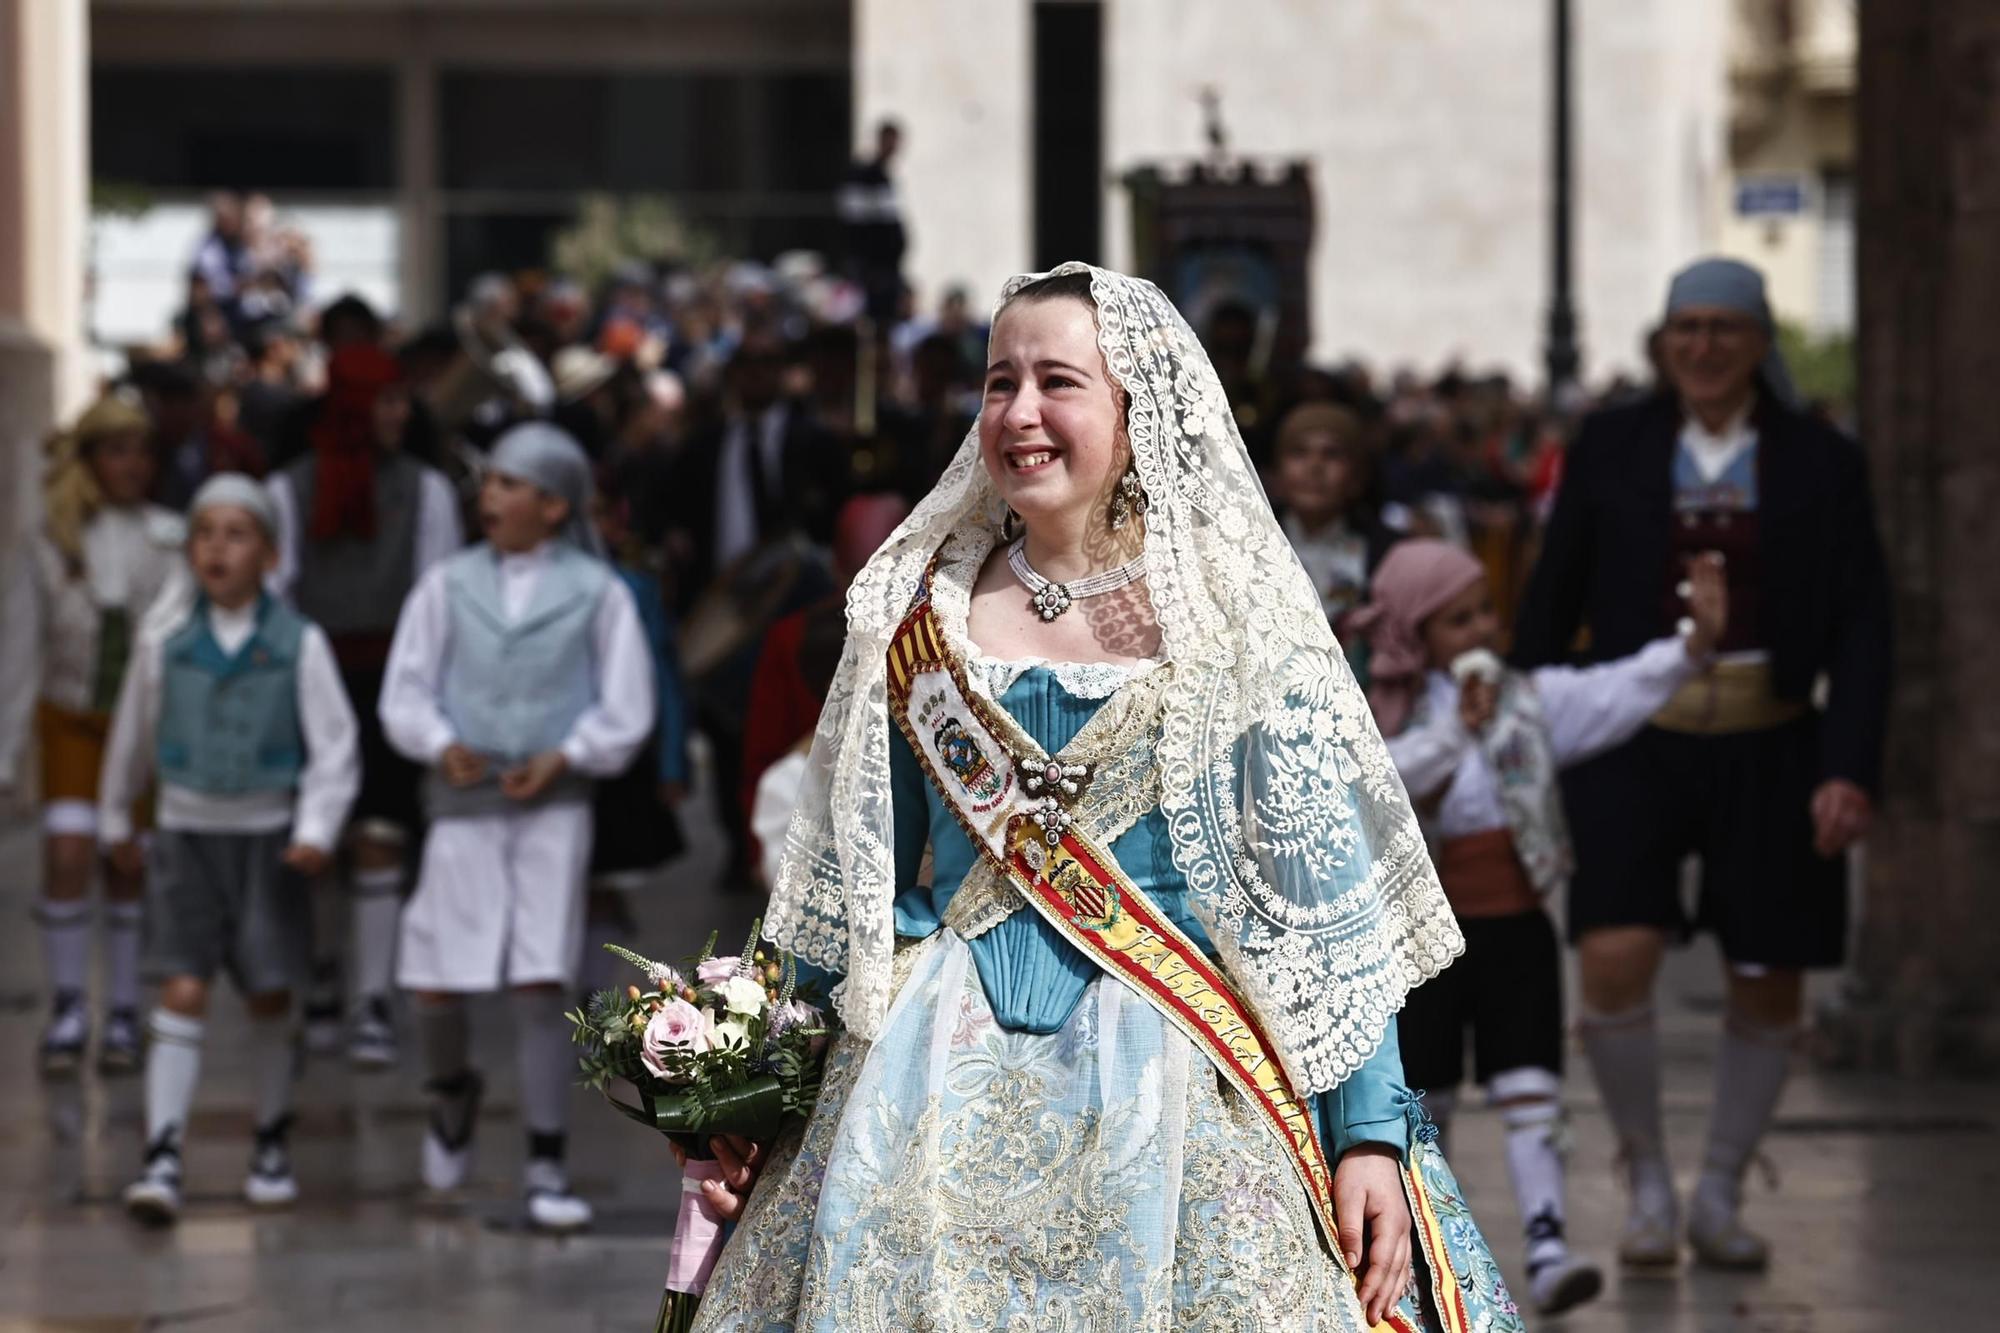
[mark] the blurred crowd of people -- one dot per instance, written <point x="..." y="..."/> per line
<point x="731" y="412"/>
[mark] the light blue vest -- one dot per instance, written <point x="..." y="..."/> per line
<point x="514" y="690"/>
<point x="229" y="725"/>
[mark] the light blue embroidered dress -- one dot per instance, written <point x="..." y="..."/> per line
<point x="1029" y="1145"/>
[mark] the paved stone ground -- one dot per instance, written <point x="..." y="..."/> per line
<point x="1884" y="1216"/>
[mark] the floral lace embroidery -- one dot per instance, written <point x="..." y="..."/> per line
<point x="1301" y="854"/>
<point x="1082" y="680"/>
<point x="1008" y="1200"/>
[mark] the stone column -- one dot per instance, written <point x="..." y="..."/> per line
<point x="44" y="226"/>
<point x="1922" y="992"/>
<point x="421" y="229"/>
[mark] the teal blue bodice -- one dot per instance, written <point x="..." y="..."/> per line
<point x="1033" y="977"/>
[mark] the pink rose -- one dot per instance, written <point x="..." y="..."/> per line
<point x="674" y="1026"/>
<point x="716" y="970"/>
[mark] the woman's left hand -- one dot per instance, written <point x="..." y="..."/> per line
<point x="1374" y="1219"/>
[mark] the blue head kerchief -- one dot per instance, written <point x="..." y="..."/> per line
<point x="1733" y="285"/>
<point x="545" y="456"/>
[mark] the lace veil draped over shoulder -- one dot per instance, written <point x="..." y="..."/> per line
<point x="1303" y="857"/>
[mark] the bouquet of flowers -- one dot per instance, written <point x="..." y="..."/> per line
<point x="719" y="1045"/>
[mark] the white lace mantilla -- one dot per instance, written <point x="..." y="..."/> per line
<point x="1303" y="859"/>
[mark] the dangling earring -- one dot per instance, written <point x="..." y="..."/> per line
<point x="1128" y="499"/>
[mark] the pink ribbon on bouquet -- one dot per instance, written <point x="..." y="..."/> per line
<point x="697" y="1232"/>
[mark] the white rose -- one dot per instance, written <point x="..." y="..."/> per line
<point x="732" y="1032"/>
<point x="741" y="995"/>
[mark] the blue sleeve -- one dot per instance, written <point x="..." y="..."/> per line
<point x="1371" y="1106"/>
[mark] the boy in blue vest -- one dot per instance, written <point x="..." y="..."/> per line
<point x="518" y="673"/>
<point x="235" y="705"/>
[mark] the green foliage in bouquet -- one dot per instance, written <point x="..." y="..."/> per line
<point x="716" y="1046"/>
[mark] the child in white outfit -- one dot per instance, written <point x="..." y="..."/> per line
<point x="519" y="671"/>
<point x="1479" y="748"/>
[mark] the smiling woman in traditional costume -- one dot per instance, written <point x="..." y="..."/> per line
<point x="1125" y="1057"/>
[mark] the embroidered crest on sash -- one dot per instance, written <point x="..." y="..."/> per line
<point x="964" y="760"/>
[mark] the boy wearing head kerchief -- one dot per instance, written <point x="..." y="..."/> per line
<point x="519" y="671"/>
<point x="76" y="594"/>
<point x="1478" y="748"/>
<point x="359" y="521"/>
<point x="234" y="705"/>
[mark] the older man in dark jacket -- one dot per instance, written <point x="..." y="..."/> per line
<point x="1766" y="768"/>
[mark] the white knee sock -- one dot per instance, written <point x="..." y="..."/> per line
<point x="274" y="1057"/>
<point x="1534" y="1161"/>
<point x="65" y="943"/>
<point x="122" y="923"/>
<point x="1750" y="1072"/>
<point x="378" y="911"/>
<point x="1624" y="1054"/>
<point x="545" y="1060"/>
<point x="173" y="1066"/>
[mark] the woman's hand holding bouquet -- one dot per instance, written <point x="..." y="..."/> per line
<point x="722" y="1052"/>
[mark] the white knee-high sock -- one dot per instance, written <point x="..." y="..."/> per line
<point x="1624" y="1054"/>
<point x="1534" y="1161"/>
<point x="545" y="1060"/>
<point x="65" y="926"/>
<point x="122" y="924"/>
<point x="1750" y="1072"/>
<point x="377" y="912"/>
<point x="274" y="1057"/>
<point x="173" y="1066"/>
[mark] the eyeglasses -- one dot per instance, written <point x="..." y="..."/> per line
<point x="1721" y="328"/>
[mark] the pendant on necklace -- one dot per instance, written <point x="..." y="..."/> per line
<point x="1050" y="600"/>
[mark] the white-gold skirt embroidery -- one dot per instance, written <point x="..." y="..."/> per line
<point x="958" y="1176"/>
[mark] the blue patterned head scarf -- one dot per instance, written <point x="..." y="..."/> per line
<point x="1731" y="284"/>
<point x="545" y="456"/>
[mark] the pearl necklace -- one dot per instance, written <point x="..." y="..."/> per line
<point x="1051" y="599"/>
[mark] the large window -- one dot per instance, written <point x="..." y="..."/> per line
<point x="753" y="157"/>
<point x="329" y="131"/>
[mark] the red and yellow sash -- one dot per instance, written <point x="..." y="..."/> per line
<point x="971" y="753"/>
<point x="1006" y="794"/>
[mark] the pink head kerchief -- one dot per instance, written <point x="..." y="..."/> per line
<point x="1413" y="581"/>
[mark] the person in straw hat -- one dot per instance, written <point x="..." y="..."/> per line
<point x="77" y="594"/>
